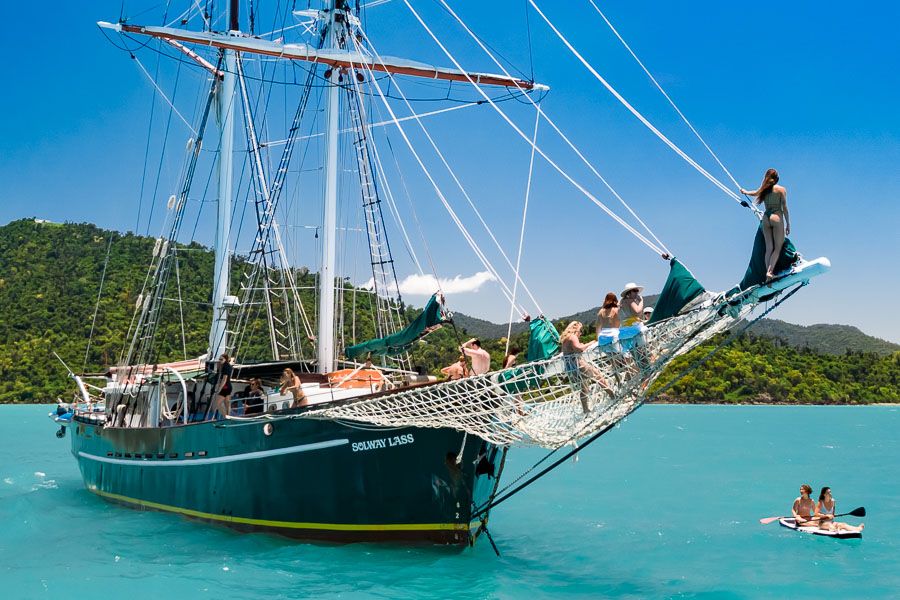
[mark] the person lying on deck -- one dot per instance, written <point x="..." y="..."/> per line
<point x="776" y="221"/>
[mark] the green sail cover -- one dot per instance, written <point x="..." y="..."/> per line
<point x="756" y="270"/>
<point x="681" y="287"/>
<point x="430" y="319"/>
<point x="543" y="339"/>
<point x="543" y="342"/>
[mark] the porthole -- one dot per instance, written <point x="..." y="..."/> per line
<point x="268" y="428"/>
<point x="188" y="454"/>
<point x="201" y="453"/>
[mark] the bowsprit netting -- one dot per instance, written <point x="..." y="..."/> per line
<point x="550" y="402"/>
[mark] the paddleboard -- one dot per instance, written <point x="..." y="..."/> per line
<point x="841" y="535"/>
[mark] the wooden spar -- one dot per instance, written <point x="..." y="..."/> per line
<point x="333" y="59"/>
<point x="195" y="57"/>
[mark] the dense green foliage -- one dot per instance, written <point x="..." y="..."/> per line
<point x="50" y="277"/>
<point x="758" y="369"/>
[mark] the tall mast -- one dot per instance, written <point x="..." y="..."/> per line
<point x="336" y="19"/>
<point x="218" y="333"/>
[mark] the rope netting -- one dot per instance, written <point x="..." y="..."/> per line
<point x="550" y="402"/>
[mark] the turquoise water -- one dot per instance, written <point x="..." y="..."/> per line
<point x="667" y="505"/>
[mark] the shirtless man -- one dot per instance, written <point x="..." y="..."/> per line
<point x="457" y="370"/>
<point x="804" y="507"/>
<point x="481" y="360"/>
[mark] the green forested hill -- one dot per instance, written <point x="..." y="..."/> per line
<point x="759" y="369"/>
<point x="50" y="276"/>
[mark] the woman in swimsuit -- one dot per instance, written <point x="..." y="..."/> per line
<point x="578" y="369"/>
<point x="290" y="383"/>
<point x="825" y="510"/>
<point x="804" y="507"/>
<point x="608" y="322"/>
<point x="776" y="221"/>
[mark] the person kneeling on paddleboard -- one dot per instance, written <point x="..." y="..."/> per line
<point x="825" y="510"/>
<point x="804" y="507"/>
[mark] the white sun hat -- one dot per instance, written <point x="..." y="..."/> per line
<point x="631" y="286"/>
<point x="648" y="310"/>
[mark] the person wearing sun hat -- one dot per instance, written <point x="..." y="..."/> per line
<point x="631" y="309"/>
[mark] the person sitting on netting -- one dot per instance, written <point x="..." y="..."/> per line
<point x="581" y="372"/>
<point x="608" y="323"/>
<point x="631" y="314"/>
<point x="776" y="221"/>
<point x="457" y="370"/>
<point x="481" y="360"/>
<point x="511" y="357"/>
<point x="631" y="307"/>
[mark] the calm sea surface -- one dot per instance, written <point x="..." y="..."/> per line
<point x="667" y="505"/>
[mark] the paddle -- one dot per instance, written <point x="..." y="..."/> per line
<point x="856" y="512"/>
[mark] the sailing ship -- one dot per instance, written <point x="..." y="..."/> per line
<point x="366" y="452"/>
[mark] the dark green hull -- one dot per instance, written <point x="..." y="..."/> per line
<point x="310" y="479"/>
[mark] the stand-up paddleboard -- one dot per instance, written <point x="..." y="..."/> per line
<point x="841" y="535"/>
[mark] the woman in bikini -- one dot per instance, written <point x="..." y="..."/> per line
<point x="776" y="221"/>
<point x="825" y="510"/>
<point x="608" y="322"/>
<point x="290" y="384"/>
<point x="804" y="507"/>
<point x="581" y="372"/>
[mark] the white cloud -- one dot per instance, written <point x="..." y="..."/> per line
<point x="425" y="285"/>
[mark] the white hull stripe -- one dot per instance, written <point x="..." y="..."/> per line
<point x="199" y="462"/>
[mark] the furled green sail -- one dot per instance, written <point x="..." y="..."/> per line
<point x="543" y="339"/>
<point x="756" y="270"/>
<point x="681" y="287"/>
<point x="543" y="342"/>
<point x="430" y="319"/>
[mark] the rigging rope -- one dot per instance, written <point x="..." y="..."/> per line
<point x="663" y="92"/>
<point x="97" y="307"/>
<point x="559" y="132"/>
<point x="656" y="249"/>
<point x="454" y="217"/>
<point x="731" y="194"/>
<point x="512" y="306"/>
<point x="163" y="94"/>
<point x="458" y="182"/>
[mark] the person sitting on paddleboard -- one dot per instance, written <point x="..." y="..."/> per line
<point x="804" y="507"/>
<point x="825" y="511"/>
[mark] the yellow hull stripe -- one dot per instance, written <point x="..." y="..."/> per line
<point x="290" y="524"/>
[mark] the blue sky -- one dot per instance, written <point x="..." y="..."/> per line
<point x="810" y="88"/>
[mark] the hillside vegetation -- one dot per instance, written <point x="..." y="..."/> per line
<point x="50" y="276"/>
